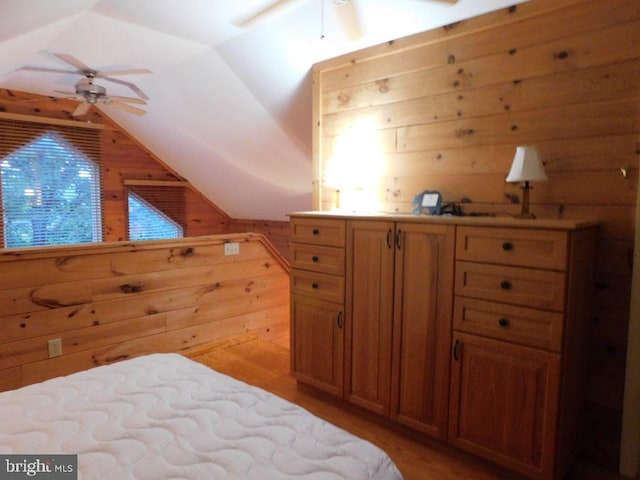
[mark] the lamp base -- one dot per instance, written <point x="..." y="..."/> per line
<point x="525" y="213"/>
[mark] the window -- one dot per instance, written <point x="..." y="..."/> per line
<point x="147" y="222"/>
<point x="50" y="188"/>
<point x="55" y="188"/>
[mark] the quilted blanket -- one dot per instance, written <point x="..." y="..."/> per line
<point x="164" y="416"/>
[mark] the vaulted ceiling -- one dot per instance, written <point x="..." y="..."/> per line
<point x="229" y="107"/>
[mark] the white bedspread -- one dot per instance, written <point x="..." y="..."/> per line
<point x="164" y="416"/>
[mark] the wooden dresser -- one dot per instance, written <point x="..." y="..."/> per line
<point x="470" y="330"/>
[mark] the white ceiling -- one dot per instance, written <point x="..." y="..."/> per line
<point x="229" y="108"/>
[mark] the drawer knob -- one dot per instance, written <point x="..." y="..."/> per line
<point x="503" y="322"/>
<point x="505" y="285"/>
<point x="506" y="246"/>
<point x="315" y="259"/>
<point x="315" y="286"/>
<point x="315" y="231"/>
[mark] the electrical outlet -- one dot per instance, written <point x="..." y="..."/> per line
<point x="55" y="347"/>
<point x="232" y="248"/>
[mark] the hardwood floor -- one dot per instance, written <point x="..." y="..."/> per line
<point x="266" y="365"/>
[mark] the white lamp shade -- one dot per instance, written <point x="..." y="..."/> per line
<point x="526" y="166"/>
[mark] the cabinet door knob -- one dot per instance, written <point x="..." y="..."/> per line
<point x="340" y="322"/>
<point x="503" y="322"/>
<point x="389" y="238"/>
<point x="315" y="231"/>
<point x="455" y="350"/>
<point x="505" y="285"/>
<point x="315" y="285"/>
<point x="315" y="259"/>
<point x="506" y="246"/>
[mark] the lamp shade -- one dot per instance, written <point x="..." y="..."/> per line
<point x="526" y="166"/>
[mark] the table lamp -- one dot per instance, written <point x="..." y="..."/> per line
<point x="526" y="167"/>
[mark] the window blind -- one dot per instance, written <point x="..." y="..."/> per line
<point x="50" y="184"/>
<point x="156" y="211"/>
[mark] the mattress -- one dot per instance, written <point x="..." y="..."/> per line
<point x="163" y="416"/>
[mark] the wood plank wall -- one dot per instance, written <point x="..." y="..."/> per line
<point x="447" y="109"/>
<point x="112" y="301"/>
<point x="277" y="232"/>
<point x="124" y="158"/>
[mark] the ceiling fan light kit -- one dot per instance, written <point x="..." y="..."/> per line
<point x="91" y="91"/>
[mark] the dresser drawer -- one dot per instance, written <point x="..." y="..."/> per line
<point x="318" y="285"/>
<point x="317" y="258"/>
<point x="318" y="231"/>
<point x="526" y="326"/>
<point x="509" y="246"/>
<point x="520" y="286"/>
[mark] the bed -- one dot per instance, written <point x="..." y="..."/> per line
<point x="163" y="416"/>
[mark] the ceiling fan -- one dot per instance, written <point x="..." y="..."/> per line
<point x="345" y="10"/>
<point x="90" y="93"/>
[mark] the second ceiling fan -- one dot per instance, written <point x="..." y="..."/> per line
<point x="345" y="10"/>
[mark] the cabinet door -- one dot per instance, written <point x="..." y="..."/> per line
<point x="369" y="314"/>
<point x="317" y="343"/>
<point x="422" y="326"/>
<point x="504" y="400"/>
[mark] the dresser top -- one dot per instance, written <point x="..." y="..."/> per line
<point x="485" y="221"/>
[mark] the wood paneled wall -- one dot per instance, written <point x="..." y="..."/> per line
<point x="112" y="301"/>
<point x="446" y="109"/>
<point x="276" y="232"/>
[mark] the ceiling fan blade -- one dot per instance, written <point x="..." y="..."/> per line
<point x="130" y="71"/>
<point x="348" y="17"/>
<point x="73" y="61"/>
<point x="270" y="12"/>
<point x="47" y="70"/>
<point x="137" y="101"/>
<point x="125" y="107"/>
<point x="133" y="87"/>
<point x="70" y="96"/>
<point x="81" y="109"/>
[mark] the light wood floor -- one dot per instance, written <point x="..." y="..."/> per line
<point x="266" y="365"/>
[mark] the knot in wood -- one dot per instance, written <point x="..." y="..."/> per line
<point x="128" y="288"/>
<point x="450" y="26"/>
<point x="464" y="132"/>
<point x="343" y="99"/>
<point x="383" y="85"/>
